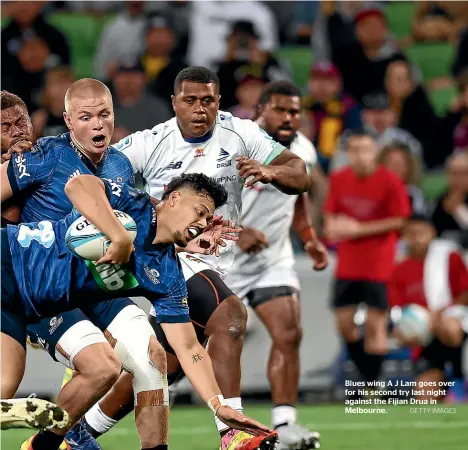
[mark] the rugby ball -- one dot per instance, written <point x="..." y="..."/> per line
<point x="83" y="239"/>
<point x="415" y="323"/>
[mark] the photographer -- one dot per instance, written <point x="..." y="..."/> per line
<point x="245" y="57"/>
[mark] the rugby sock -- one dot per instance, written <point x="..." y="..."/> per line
<point x="46" y="440"/>
<point x="357" y="354"/>
<point x="96" y="422"/>
<point x="283" y="415"/>
<point x="373" y="366"/>
<point x="234" y="403"/>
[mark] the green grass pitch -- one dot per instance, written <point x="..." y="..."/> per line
<point x="192" y="429"/>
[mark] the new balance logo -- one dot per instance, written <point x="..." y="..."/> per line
<point x="74" y="174"/>
<point x="223" y="155"/>
<point x="174" y="165"/>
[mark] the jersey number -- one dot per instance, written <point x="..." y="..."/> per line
<point x="44" y="234"/>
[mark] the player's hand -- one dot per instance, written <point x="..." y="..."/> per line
<point x="252" y="241"/>
<point x="318" y="252"/>
<point x="18" y="147"/>
<point x="238" y="421"/>
<point x="119" y="251"/>
<point x="250" y="168"/>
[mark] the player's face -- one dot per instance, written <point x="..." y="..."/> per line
<point x="91" y="122"/>
<point x="362" y="153"/>
<point x="195" y="106"/>
<point x="190" y="214"/>
<point x="281" y="118"/>
<point x="16" y="126"/>
<point x="418" y="235"/>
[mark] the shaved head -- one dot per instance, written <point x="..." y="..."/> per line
<point x="86" y="88"/>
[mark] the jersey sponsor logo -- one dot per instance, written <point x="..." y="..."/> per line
<point x="193" y="258"/>
<point x="21" y="167"/>
<point x="199" y="152"/>
<point x="184" y="301"/>
<point x="223" y="156"/>
<point x="152" y="274"/>
<point x="226" y="178"/>
<point x="74" y="174"/>
<point x="116" y="188"/>
<point x="123" y="144"/>
<point x="112" y="277"/>
<point x="55" y="322"/>
<point x="174" y="165"/>
<point x="44" y="234"/>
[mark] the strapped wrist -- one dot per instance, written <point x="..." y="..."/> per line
<point x="215" y="402"/>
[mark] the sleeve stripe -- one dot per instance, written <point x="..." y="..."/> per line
<point x="12" y="177"/>
<point x="274" y="153"/>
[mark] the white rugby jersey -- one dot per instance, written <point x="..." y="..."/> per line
<point x="162" y="153"/>
<point x="271" y="211"/>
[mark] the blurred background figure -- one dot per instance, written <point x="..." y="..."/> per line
<point x="48" y="120"/>
<point x="30" y="46"/>
<point x="330" y="110"/>
<point x="247" y="94"/>
<point x="135" y="108"/>
<point x="450" y="216"/>
<point x="121" y="38"/>
<point x="244" y="57"/>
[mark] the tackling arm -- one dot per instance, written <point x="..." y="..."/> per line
<point x="289" y="173"/>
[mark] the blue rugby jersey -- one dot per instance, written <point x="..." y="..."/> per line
<point x="38" y="177"/>
<point x="51" y="279"/>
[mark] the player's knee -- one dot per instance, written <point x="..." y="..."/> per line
<point x="157" y="355"/>
<point x="102" y="372"/>
<point x="288" y="339"/>
<point x="347" y="329"/>
<point x="229" y="318"/>
<point x="449" y="331"/>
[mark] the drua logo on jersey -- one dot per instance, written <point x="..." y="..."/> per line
<point x="112" y="277"/>
<point x="223" y="155"/>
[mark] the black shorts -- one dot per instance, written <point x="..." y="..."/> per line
<point x="206" y="290"/>
<point x="351" y="293"/>
<point x="260" y="296"/>
<point x="436" y="355"/>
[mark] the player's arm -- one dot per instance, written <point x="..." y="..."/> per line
<point x="7" y="191"/>
<point x="302" y="224"/>
<point x="90" y="197"/>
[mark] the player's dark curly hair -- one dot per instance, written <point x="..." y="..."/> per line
<point x="283" y="87"/>
<point x="196" y="74"/>
<point x="9" y="100"/>
<point x="200" y="183"/>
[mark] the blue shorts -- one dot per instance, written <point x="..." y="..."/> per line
<point x="49" y="331"/>
<point x="13" y="319"/>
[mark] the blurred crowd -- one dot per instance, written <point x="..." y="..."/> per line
<point x="360" y="78"/>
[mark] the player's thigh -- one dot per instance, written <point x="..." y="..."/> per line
<point x="278" y="307"/>
<point x="13" y="352"/>
<point x="345" y="300"/>
<point x="64" y="336"/>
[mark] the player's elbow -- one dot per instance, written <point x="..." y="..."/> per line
<point x="80" y="182"/>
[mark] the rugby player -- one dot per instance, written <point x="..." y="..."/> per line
<point x="39" y="178"/>
<point x="236" y="153"/>
<point x="263" y="270"/>
<point x="41" y="276"/>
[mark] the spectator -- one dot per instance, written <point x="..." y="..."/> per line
<point x="439" y="20"/>
<point x="362" y="63"/>
<point x="398" y="158"/>
<point x="135" y="109"/>
<point x="461" y="59"/>
<point x="247" y="94"/>
<point x="330" y="111"/>
<point x="245" y="57"/>
<point x="161" y="68"/>
<point x="123" y="37"/>
<point x="450" y="216"/>
<point x="365" y="209"/>
<point x="411" y="104"/>
<point x="48" y="120"/>
<point x="212" y="21"/>
<point x="30" y="46"/>
<point x="452" y="134"/>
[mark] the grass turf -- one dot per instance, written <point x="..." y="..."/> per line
<point x="399" y="429"/>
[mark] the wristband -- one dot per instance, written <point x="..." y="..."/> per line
<point x="215" y="402"/>
<point x="308" y="234"/>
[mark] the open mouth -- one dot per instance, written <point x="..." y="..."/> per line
<point x="193" y="232"/>
<point x="199" y="122"/>
<point x="99" y="140"/>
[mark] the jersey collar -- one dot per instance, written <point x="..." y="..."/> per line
<point x="84" y="159"/>
<point x="200" y="139"/>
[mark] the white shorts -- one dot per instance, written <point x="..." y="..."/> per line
<point x="76" y="338"/>
<point x="191" y="265"/>
<point x="242" y="282"/>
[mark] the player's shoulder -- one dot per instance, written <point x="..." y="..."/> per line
<point x="52" y="145"/>
<point x="304" y="148"/>
<point x="226" y="121"/>
<point x="118" y="156"/>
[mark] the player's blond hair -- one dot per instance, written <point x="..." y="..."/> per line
<point x="86" y="87"/>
